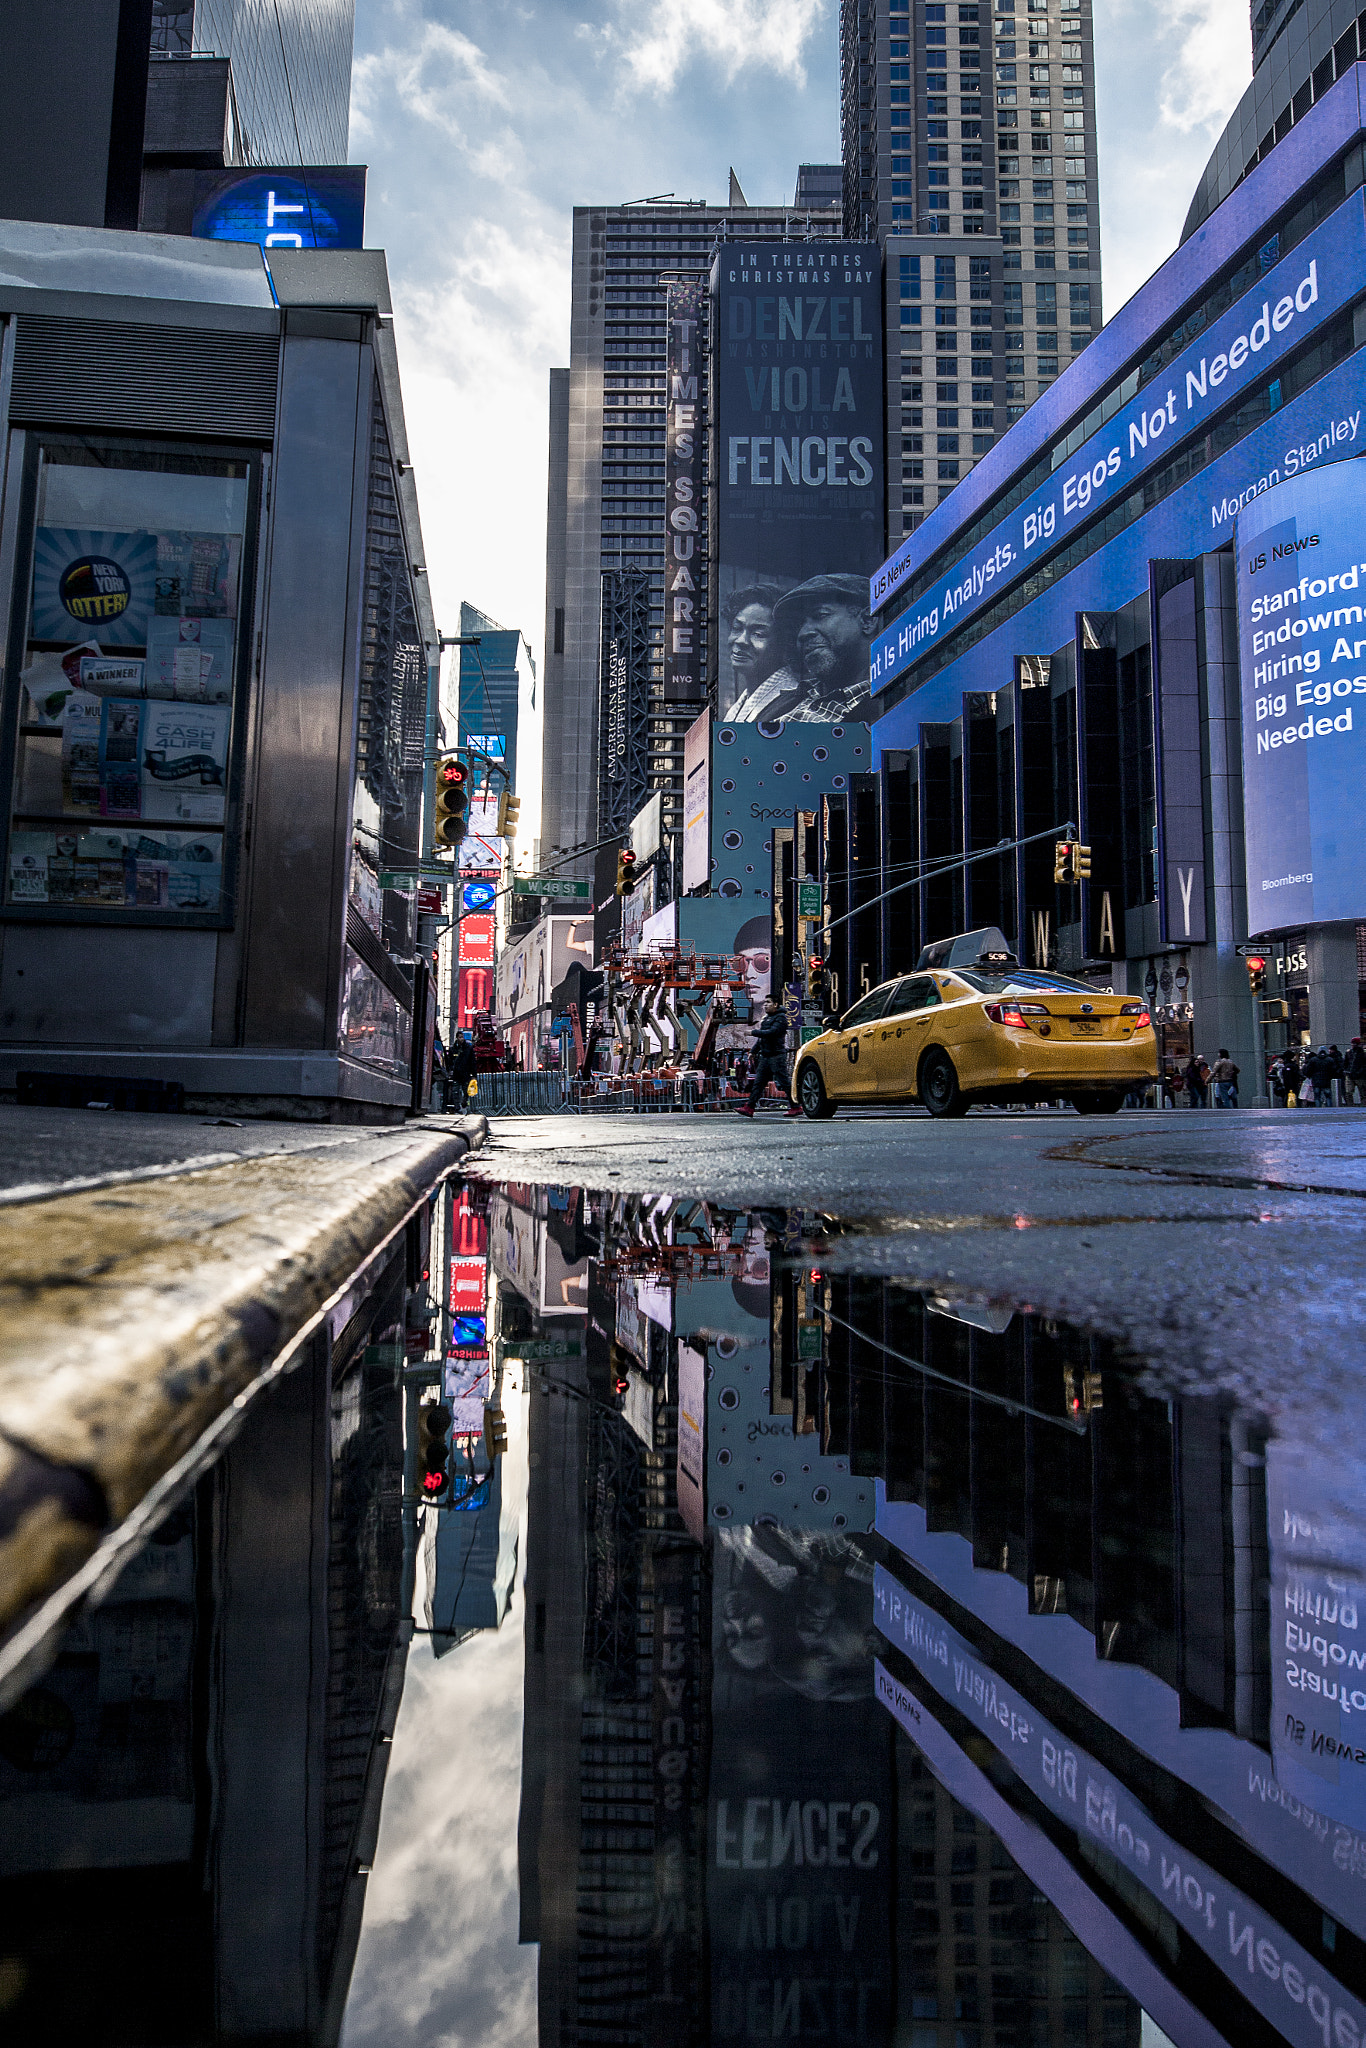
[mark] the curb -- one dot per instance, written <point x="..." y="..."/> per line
<point x="133" y="1315"/>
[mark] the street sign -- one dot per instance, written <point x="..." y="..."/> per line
<point x="430" y="898"/>
<point x="542" y="1348"/>
<point x="409" y="878"/>
<point x="808" y="899"/>
<point x="562" y="886"/>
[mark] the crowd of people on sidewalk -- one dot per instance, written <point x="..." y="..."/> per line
<point x="1303" y="1077"/>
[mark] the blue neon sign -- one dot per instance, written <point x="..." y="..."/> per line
<point x="1313" y="282"/>
<point x="310" y="208"/>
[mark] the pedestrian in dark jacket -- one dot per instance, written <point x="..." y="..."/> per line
<point x="1318" y="1068"/>
<point x="1194" y="1078"/>
<point x="460" y="1069"/>
<point x="770" y="1058"/>
<point x="1355" y="1072"/>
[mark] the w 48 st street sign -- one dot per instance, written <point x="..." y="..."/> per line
<point x="562" y="886"/>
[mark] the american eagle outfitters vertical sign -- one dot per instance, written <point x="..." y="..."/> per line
<point x="684" y="641"/>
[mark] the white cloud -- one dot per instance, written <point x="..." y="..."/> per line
<point x="434" y="74"/>
<point x="1167" y="77"/>
<point x="662" y="40"/>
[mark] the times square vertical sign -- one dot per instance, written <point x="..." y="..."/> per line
<point x="684" y="639"/>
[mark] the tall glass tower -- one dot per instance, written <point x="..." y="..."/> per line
<point x="969" y="146"/>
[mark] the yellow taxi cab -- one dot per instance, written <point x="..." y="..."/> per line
<point x="954" y="1033"/>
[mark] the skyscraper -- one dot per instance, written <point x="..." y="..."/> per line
<point x="980" y="182"/>
<point x="605" y="528"/>
<point x="155" y="94"/>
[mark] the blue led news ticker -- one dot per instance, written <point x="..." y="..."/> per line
<point x="1301" y="571"/>
<point x="1312" y="283"/>
<point x="1323" y="426"/>
<point x="302" y="208"/>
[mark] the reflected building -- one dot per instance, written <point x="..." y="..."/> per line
<point x="1011" y="1767"/>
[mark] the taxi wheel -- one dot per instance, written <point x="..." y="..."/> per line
<point x="811" y="1093"/>
<point x="1107" y="1102"/>
<point x="939" y="1089"/>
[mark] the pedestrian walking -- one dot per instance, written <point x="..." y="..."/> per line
<point x="1277" y="1081"/>
<point x="1354" y="1068"/>
<point x="460" y="1069"/>
<point x="1225" y="1074"/>
<point x="1317" y="1086"/>
<point x="1194" y="1078"/>
<point x="1337" y="1091"/>
<point x="1294" y="1079"/>
<point x="769" y="1058"/>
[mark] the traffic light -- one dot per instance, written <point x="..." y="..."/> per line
<point x="452" y="801"/>
<point x="815" y="978"/>
<point x="626" y="871"/>
<point x="1256" y="973"/>
<point x="1071" y="861"/>
<point x="509" y="806"/>
<point x="495" y="1430"/>
<point x="433" y="1451"/>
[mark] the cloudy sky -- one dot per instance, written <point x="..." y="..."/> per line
<point x="484" y="122"/>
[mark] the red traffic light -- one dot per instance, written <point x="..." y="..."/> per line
<point x="816" y="963"/>
<point x="1255" y="960"/>
<point x="453" y="771"/>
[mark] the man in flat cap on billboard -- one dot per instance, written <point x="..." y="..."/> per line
<point x="825" y="628"/>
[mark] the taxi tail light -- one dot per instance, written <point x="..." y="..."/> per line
<point x="1006" y="1013"/>
<point x="1139" y="1013"/>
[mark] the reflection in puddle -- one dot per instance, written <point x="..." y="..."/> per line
<point x="820" y="1659"/>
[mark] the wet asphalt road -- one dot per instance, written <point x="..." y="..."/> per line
<point x="1227" y="1247"/>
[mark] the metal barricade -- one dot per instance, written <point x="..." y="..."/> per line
<point x="522" y="1094"/>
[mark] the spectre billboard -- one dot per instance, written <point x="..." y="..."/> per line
<point x="1302" y="654"/>
<point x="798" y="398"/>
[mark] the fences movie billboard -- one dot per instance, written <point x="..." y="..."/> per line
<point x="797" y="395"/>
<point x="684" y="646"/>
<point x="1302" y="652"/>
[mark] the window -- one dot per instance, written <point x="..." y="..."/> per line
<point x="1043" y="238"/>
<point x="944" y="274"/>
<point x="948" y="472"/>
<point x="1043" y="213"/>
<point x="935" y="36"/>
<point x="1077" y="238"/>
<point x="1009" y="213"/>
<point x="899" y="71"/>
<point x="947" y="416"/>
<point x="917" y="992"/>
<point x="983" y="419"/>
<point x="130" y="716"/>
<point x="559" y="629"/>
<point x="1076" y="213"/>
<point x="935" y="176"/>
<point x="870" y="1007"/>
<point x="913" y="444"/>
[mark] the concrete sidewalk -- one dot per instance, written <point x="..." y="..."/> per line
<point x="153" y="1274"/>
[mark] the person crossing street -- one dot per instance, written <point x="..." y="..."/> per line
<point x="769" y="1058"/>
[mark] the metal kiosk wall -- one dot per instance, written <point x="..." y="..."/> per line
<point x="216" y="658"/>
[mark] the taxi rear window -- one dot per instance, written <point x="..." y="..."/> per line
<point x="1019" y="980"/>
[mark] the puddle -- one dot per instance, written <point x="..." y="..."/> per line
<point x="821" y="1658"/>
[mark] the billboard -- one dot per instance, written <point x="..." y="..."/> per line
<point x="1302" y="655"/>
<point x="684" y="649"/>
<point x="316" y="207"/>
<point x="797" y="394"/>
<point x="1233" y="354"/>
<point x="696" y="804"/>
